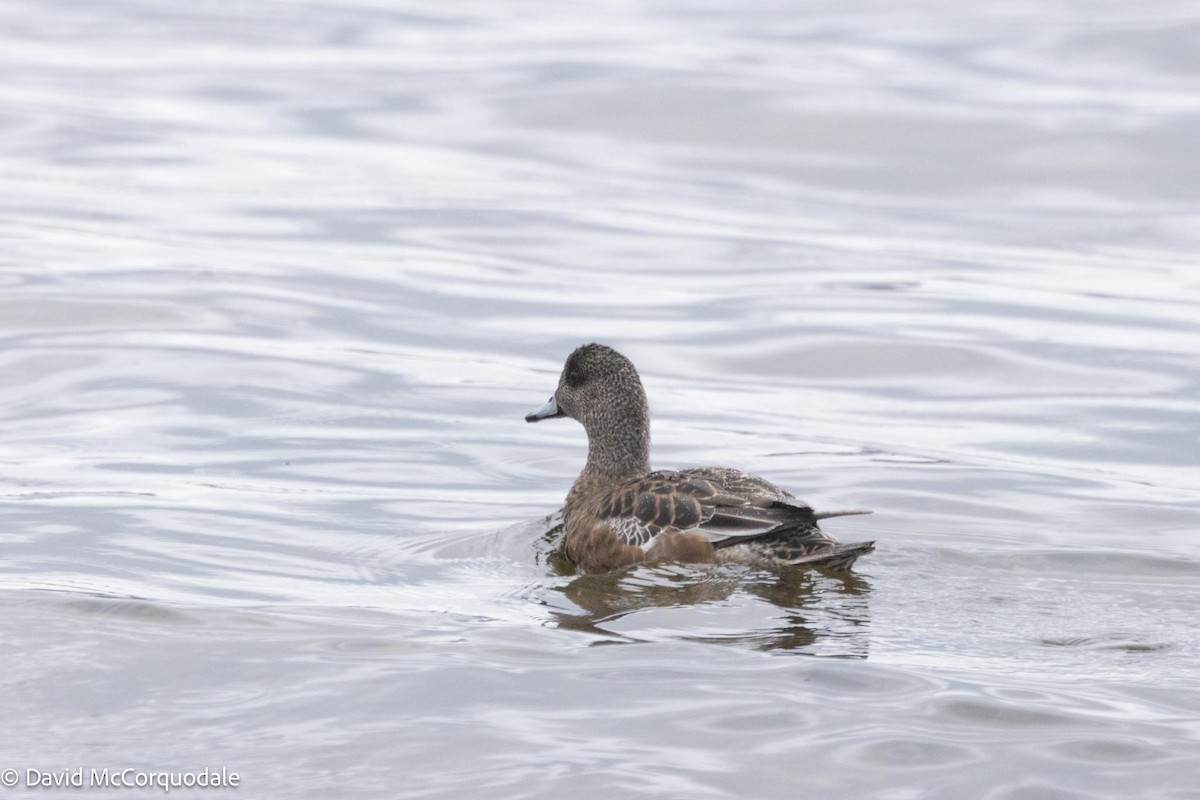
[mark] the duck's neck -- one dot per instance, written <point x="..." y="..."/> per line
<point x="618" y="447"/>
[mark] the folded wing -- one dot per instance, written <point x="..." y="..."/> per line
<point x="725" y="506"/>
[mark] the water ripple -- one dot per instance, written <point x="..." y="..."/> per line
<point x="280" y="281"/>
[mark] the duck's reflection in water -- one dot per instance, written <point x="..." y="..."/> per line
<point x="793" y="610"/>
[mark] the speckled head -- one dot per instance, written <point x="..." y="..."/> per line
<point x="601" y="389"/>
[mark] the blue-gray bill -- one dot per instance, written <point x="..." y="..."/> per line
<point x="545" y="412"/>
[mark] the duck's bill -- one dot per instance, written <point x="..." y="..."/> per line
<point x="545" y="412"/>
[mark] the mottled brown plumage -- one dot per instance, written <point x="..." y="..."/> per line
<point x="619" y="513"/>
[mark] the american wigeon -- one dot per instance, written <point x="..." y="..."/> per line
<point x="619" y="513"/>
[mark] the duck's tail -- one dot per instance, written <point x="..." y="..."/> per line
<point x="849" y="512"/>
<point x="841" y="556"/>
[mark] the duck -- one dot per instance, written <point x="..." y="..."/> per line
<point x="619" y="512"/>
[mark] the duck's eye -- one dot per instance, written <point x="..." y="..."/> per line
<point x="574" y="378"/>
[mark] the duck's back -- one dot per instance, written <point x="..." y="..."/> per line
<point x="699" y="514"/>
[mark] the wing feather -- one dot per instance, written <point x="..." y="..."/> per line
<point x="722" y="505"/>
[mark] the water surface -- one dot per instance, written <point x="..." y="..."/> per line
<point x="279" y="282"/>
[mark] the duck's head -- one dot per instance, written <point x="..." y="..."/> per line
<point x="600" y="388"/>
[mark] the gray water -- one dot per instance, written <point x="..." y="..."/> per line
<point x="279" y="280"/>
